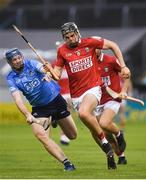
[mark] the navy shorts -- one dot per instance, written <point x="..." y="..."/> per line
<point x="57" y="109"/>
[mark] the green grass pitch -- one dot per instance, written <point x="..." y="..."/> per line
<point x="22" y="156"/>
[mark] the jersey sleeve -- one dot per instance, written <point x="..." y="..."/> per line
<point x="11" y="84"/>
<point x="97" y="42"/>
<point x="36" y="65"/>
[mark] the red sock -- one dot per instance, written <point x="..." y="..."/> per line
<point x="101" y="136"/>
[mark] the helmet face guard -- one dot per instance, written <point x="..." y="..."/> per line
<point x="11" y="53"/>
<point x="69" y="27"/>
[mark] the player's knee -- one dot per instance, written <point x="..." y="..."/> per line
<point x="73" y="135"/>
<point x="83" y="114"/>
<point x="103" y="124"/>
<point x="41" y="135"/>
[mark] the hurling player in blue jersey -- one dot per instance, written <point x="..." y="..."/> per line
<point x="29" y="77"/>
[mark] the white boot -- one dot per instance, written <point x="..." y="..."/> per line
<point x="64" y="140"/>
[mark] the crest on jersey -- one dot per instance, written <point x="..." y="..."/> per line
<point x="87" y="49"/>
<point x="78" y="53"/>
<point x="106" y="69"/>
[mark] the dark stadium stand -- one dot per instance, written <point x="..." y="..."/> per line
<point x="37" y="20"/>
<point x="26" y="2"/>
<point x="105" y="18"/>
<point x="138" y="17"/>
<point x="43" y="14"/>
<point x="124" y="1"/>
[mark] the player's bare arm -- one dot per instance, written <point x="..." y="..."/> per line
<point x="125" y="87"/>
<point x="46" y="69"/>
<point x="21" y="106"/>
<point x="117" y="52"/>
<point x="58" y="71"/>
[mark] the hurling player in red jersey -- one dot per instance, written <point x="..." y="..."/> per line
<point x="79" y="58"/>
<point x="109" y="107"/>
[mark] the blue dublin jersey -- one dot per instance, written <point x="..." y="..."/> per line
<point x="29" y="81"/>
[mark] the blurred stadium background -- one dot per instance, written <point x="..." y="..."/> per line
<point x="123" y="21"/>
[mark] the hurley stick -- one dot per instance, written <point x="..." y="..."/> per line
<point x="116" y="95"/>
<point x="49" y="67"/>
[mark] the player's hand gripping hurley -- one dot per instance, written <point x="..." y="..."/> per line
<point x="116" y="95"/>
<point x="49" y="67"/>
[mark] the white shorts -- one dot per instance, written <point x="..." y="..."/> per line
<point x="113" y="105"/>
<point x="96" y="91"/>
<point x="66" y="96"/>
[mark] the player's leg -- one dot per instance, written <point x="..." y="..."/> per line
<point x="112" y="140"/>
<point x="110" y="137"/>
<point x="62" y="115"/>
<point x="106" y="122"/>
<point x="51" y="146"/>
<point x="85" y="111"/>
<point x="122" y="118"/>
<point x="68" y="127"/>
<point x="64" y="140"/>
<point x="121" y="156"/>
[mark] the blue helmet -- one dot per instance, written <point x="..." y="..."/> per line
<point x="11" y="53"/>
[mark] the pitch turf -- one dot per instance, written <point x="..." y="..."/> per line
<point x="22" y="156"/>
